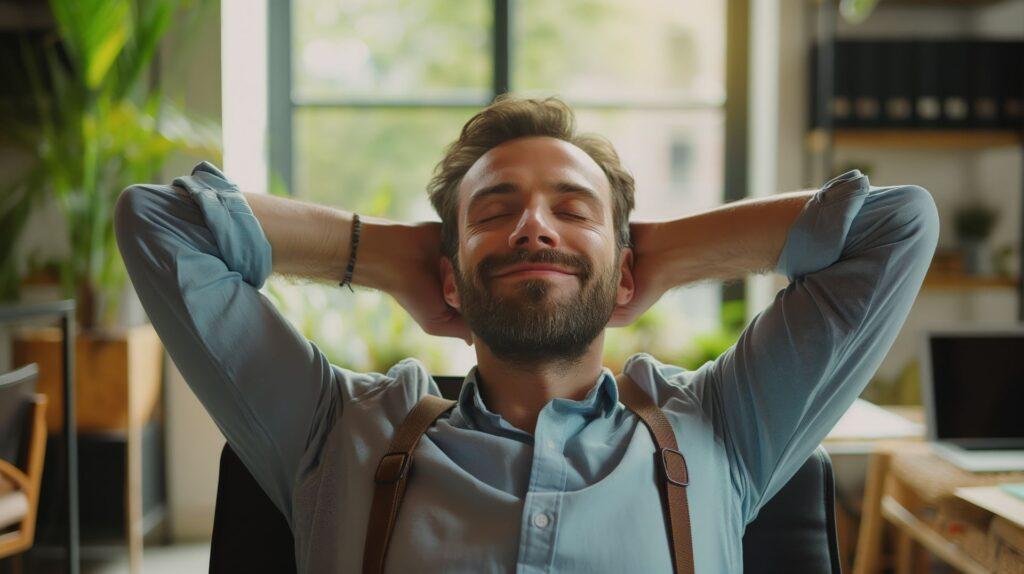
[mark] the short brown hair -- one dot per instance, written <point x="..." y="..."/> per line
<point x="507" y="118"/>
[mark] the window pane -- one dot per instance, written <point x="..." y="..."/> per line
<point x="649" y="50"/>
<point x="376" y="162"/>
<point x="676" y="158"/>
<point x="392" y="48"/>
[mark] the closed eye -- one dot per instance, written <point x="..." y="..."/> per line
<point x="572" y="215"/>
<point x="492" y="217"/>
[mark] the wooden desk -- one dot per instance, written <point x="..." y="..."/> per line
<point x="916" y="492"/>
<point x="851" y="444"/>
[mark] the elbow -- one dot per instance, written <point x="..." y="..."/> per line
<point x="135" y="206"/>
<point x="920" y="216"/>
<point x="126" y="210"/>
<point x="918" y="229"/>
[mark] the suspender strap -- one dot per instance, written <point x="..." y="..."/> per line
<point x="393" y="471"/>
<point x="673" y="476"/>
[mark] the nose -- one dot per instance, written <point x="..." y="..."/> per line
<point x="533" y="231"/>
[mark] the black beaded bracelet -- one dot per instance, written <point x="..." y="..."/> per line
<point x="352" y="257"/>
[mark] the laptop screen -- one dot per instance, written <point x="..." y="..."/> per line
<point x="978" y="386"/>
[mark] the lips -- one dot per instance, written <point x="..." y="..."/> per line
<point x="535" y="267"/>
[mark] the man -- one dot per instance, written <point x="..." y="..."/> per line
<point x="539" y="467"/>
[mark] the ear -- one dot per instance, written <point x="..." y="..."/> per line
<point x="627" y="285"/>
<point x="448" y="286"/>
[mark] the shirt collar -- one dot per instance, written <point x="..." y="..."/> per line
<point x="601" y="399"/>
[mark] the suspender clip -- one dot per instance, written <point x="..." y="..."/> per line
<point x="676" y="473"/>
<point x="391" y="469"/>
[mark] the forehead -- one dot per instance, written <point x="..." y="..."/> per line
<point x="541" y="161"/>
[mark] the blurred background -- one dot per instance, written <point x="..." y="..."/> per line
<point x="349" y="103"/>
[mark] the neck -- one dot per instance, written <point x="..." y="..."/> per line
<point x="519" y="391"/>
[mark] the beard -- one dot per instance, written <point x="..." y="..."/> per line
<point x="532" y="322"/>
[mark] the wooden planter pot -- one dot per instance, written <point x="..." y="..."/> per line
<point x="117" y="375"/>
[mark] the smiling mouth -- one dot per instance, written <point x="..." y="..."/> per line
<point x="526" y="273"/>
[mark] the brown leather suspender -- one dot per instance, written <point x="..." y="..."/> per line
<point x="671" y="465"/>
<point x="393" y="471"/>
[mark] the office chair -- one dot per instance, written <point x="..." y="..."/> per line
<point x="22" y="447"/>
<point x="794" y="533"/>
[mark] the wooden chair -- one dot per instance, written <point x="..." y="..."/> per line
<point x="22" y="446"/>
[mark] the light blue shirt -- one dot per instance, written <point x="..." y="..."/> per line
<point x="580" y="494"/>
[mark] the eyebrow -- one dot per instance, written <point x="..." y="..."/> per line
<point x="506" y="188"/>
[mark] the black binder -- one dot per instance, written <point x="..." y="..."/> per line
<point x="867" y="100"/>
<point x="927" y="99"/>
<point x="1013" y="95"/>
<point x="897" y="62"/>
<point x="843" y="94"/>
<point x="953" y="82"/>
<point x="987" y="82"/>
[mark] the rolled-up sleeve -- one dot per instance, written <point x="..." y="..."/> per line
<point x="856" y="257"/>
<point x="197" y="256"/>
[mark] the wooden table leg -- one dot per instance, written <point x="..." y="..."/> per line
<point x="869" y="538"/>
<point x="904" y="553"/>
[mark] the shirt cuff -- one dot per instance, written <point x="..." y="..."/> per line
<point x="243" y="245"/>
<point x="818" y="235"/>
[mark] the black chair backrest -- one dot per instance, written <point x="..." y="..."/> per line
<point x="17" y="393"/>
<point x="795" y="532"/>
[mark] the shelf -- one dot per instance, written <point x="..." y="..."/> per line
<point x="928" y="537"/>
<point x="920" y="138"/>
<point x="954" y="281"/>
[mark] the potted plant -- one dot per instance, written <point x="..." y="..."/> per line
<point x="973" y="223"/>
<point x="95" y="121"/>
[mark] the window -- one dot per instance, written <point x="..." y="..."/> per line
<point x="375" y="90"/>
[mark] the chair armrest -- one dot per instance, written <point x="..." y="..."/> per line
<point x="16" y="475"/>
<point x="28" y="482"/>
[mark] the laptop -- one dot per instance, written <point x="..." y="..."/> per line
<point x="972" y="382"/>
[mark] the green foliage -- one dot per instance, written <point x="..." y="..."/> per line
<point x="708" y="346"/>
<point x="95" y="126"/>
<point x="856" y="11"/>
<point x="661" y="332"/>
<point x="366" y="331"/>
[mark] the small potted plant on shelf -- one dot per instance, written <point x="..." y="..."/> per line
<point x="974" y="222"/>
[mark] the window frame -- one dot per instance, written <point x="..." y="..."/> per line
<point x="282" y="105"/>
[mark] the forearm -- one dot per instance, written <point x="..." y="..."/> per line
<point x="314" y="241"/>
<point x="725" y="243"/>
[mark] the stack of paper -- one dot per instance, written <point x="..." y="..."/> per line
<point x="867" y="421"/>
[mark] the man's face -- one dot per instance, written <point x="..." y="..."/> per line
<point x="537" y="201"/>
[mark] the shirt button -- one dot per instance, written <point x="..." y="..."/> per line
<point x="541" y="520"/>
<point x="551" y="444"/>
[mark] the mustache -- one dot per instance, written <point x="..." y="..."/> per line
<point x="576" y="263"/>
